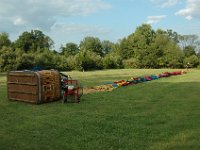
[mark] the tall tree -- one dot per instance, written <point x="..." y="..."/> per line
<point x="7" y="59"/>
<point x="142" y="40"/>
<point x="41" y="40"/>
<point x="107" y="46"/>
<point x="4" y="40"/>
<point x="173" y="35"/>
<point x="24" y="41"/>
<point x="70" y="49"/>
<point x="126" y="49"/>
<point x="92" y="44"/>
<point x="189" y="40"/>
<point x="189" y="51"/>
<point x="88" y="60"/>
<point x="145" y="33"/>
<point x="33" y="41"/>
<point x="158" y="48"/>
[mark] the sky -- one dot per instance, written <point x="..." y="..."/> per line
<point x="67" y="21"/>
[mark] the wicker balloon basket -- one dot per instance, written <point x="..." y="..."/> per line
<point x="34" y="87"/>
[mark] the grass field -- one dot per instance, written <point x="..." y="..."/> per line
<point x="159" y="115"/>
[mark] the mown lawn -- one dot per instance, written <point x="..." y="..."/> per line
<point x="157" y="115"/>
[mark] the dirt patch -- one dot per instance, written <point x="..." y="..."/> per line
<point x="102" y="88"/>
<point x="89" y="90"/>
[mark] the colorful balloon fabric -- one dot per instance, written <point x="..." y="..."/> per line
<point x="135" y="80"/>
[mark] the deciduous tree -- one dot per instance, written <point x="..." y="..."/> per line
<point x="4" y="40"/>
<point x="91" y="44"/>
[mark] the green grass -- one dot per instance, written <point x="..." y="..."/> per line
<point x="95" y="78"/>
<point x="157" y="115"/>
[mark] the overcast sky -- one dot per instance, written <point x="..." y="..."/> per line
<point x="72" y="20"/>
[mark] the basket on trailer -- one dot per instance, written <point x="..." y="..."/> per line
<point x="42" y="87"/>
<point x="34" y="86"/>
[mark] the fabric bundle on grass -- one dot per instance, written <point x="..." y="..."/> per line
<point x="109" y="86"/>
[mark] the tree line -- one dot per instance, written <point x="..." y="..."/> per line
<point x="145" y="48"/>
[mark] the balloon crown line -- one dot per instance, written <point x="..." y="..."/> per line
<point x="109" y="86"/>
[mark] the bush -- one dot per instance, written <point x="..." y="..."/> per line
<point x="87" y="60"/>
<point x="66" y="63"/>
<point x="191" y="61"/>
<point x="7" y="59"/>
<point x="26" y="61"/>
<point x="130" y="63"/>
<point x="45" y="59"/>
<point x="111" y="61"/>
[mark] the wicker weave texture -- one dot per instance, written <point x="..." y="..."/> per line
<point x="35" y="87"/>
